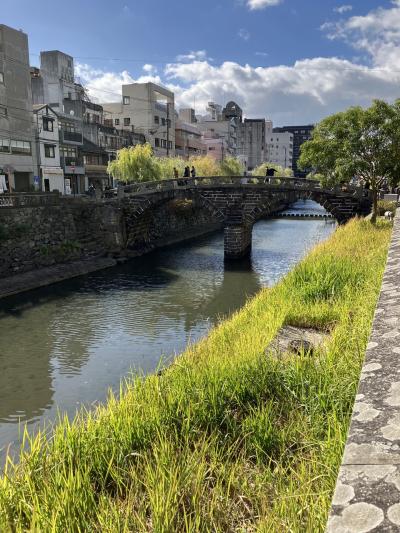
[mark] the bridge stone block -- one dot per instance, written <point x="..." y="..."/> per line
<point x="237" y="241"/>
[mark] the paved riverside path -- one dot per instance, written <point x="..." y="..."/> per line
<point x="52" y="274"/>
<point x="367" y="495"/>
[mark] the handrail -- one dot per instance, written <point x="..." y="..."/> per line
<point x="32" y="199"/>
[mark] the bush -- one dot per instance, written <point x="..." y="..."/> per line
<point x="386" y="205"/>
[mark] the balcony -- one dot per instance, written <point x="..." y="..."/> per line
<point x="72" y="165"/>
<point x="71" y="137"/>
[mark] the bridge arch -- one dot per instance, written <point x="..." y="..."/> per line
<point x="237" y="203"/>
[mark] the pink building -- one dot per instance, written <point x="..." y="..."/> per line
<point x="216" y="147"/>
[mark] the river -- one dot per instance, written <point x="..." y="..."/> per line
<point x="65" y="345"/>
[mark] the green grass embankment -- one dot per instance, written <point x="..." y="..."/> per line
<point x="228" y="438"/>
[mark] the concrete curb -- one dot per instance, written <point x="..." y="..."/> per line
<point x="367" y="494"/>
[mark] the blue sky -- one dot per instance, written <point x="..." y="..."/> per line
<point x="291" y="60"/>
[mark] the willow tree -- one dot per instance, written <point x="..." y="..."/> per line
<point x="136" y="163"/>
<point x="357" y="142"/>
<point x="261" y="170"/>
<point x="231" y="166"/>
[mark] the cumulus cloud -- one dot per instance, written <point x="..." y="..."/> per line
<point x="343" y="9"/>
<point x="303" y="92"/>
<point x="107" y="86"/>
<point x="377" y="33"/>
<point x="261" y="4"/>
<point x="244" y="34"/>
<point x="150" y="69"/>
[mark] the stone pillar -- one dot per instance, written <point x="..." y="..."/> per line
<point x="237" y="241"/>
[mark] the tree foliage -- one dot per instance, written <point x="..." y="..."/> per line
<point x="134" y="164"/>
<point x="231" y="166"/>
<point x="357" y="142"/>
<point x="261" y="170"/>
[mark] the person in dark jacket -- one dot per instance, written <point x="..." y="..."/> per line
<point x="193" y="172"/>
<point x="186" y="174"/>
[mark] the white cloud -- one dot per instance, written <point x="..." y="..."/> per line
<point x="377" y="33"/>
<point x="244" y="34"/>
<point x="343" y="9"/>
<point x="150" y="69"/>
<point x="261" y="4"/>
<point x="261" y="54"/>
<point x="194" y="55"/>
<point x="107" y="86"/>
<point x="303" y="92"/>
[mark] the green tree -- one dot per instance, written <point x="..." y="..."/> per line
<point x="231" y="166"/>
<point x="357" y="142"/>
<point x="167" y="165"/>
<point x="134" y="164"/>
<point x="261" y="170"/>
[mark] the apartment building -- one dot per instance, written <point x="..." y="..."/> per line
<point x="300" y="134"/>
<point x="48" y="148"/>
<point x="251" y="145"/>
<point x="18" y="161"/>
<point x="279" y="149"/>
<point x="54" y="84"/>
<point x="147" y="109"/>
<point x="188" y="140"/>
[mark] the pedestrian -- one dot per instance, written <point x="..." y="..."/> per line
<point x="186" y="174"/>
<point x="176" y="175"/>
<point x="193" y="172"/>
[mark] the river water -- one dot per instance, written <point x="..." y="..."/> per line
<point x="65" y="345"/>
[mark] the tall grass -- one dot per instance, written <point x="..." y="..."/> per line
<point x="229" y="438"/>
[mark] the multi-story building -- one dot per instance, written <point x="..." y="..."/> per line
<point x="300" y="135"/>
<point x="48" y="148"/>
<point x="251" y="149"/>
<point x="279" y="148"/>
<point x="18" y="161"/>
<point x="215" y="146"/>
<point x="54" y="84"/>
<point x="187" y="115"/>
<point x="148" y="109"/>
<point x="232" y="111"/>
<point x="188" y="140"/>
<point x="101" y="143"/>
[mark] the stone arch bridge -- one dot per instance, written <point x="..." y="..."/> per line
<point x="238" y="202"/>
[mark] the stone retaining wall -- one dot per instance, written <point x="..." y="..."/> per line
<point x="367" y="495"/>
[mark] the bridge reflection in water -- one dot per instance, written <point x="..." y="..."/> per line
<point x="77" y="338"/>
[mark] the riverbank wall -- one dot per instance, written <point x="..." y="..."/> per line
<point x="367" y="492"/>
<point x="40" y="245"/>
<point x="243" y="436"/>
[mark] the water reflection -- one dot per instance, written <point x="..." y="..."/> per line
<point x="64" y="345"/>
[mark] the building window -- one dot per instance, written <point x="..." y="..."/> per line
<point x="1" y="77"/>
<point x="49" y="150"/>
<point x="127" y="100"/>
<point x="156" y="119"/>
<point x="20" y="147"/>
<point x="3" y="110"/>
<point x="48" y="124"/>
<point x="5" y="145"/>
<point x="157" y="142"/>
<point x="127" y="121"/>
<point x="163" y="121"/>
<point x="116" y="121"/>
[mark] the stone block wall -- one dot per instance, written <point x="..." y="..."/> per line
<point x="237" y="241"/>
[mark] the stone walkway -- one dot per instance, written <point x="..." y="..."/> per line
<point x="367" y="495"/>
<point x="52" y="274"/>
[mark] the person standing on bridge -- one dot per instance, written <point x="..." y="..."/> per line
<point x="193" y="172"/>
<point x="176" y="175"/>
<point x="186" y="174"/>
